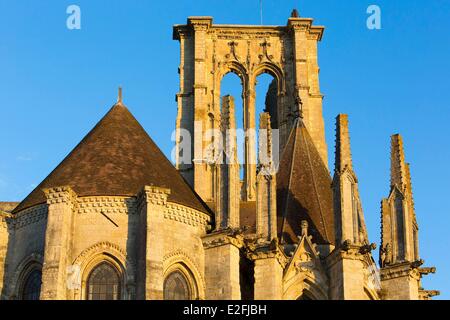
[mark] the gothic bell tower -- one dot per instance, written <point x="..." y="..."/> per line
<point x="208" y="52"/>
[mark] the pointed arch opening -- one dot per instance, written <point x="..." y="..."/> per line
<point x="176" y="287"/>
<point x="28" y="278"/>
<point x="103" y="259"/>
<point x="232" y="85"/>
<point x="266" y="101"/>
<point x="31" y="289"/>
<point x="179" y="283"/>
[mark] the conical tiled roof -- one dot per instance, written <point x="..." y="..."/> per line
<point x="116" y="158"/>
<point x="304" y="190"/>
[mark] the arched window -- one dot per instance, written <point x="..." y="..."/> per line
<point x="176" y="287"/>
<point x="32" y="286"/>
<point x="103" y="283"/>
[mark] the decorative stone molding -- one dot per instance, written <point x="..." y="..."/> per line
<point x="304" y="273"/>
<point x="186" y="215"/>
<point x="95" y="254"/>
<point x="304" y="285"/>
<point x="100" y="247"/>
<point x="172" y="211"/>
<point x="305" y="268"/>
<point x="261" y="254"/>
<point x="108" y="204"/>
<point x="28" y="216"/>
<point x="296" y="27"/>
<point x="347" y="250"/>
<point x="305" y="25"/>
<point x="171" y="263"/>
<point x="223" y="237"/>
<point x="63" y="194"/>
<point x="400" y="270"/>
<point x="315" y="34"/>
<point x="256" y="250"/>
<point x="153" y="195"/>
<point x="200" y="23"/>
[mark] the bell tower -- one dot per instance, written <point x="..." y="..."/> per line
<point x="207" y="53"/>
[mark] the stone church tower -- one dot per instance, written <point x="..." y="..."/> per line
<point x="116" y="220"/>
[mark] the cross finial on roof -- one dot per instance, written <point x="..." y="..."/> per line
<point x="119" y="97"/>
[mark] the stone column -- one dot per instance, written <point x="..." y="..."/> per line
<point x="268" y="275"/>
<point x="266" y="203"/>
<point x="199" y="27"/>
<point x="400" y="282"/>
<point x="250" y="144"/>
<point x="61" y="203"/>
<point x="228" y="198"/>
<point x="266" y="206"/>
<point x="306" y="83"/>
<point x="349" y="273"/>
<point x="184" y="120"/>
<point x="222" y="258"/>
<point x="153" y="202"/>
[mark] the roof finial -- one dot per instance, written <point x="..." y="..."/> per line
<point x="304" y="227"/>
<point x="119" y="97"/>
<point x="294" y="13"/>
<point x="298" y="112"/>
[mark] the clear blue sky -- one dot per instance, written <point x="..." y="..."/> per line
<point x="55" y="84"/>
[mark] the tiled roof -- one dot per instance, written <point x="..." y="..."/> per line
<point x="116" y="158"/>
<point x="304" y="190"/>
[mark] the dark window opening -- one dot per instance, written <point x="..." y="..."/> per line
<point x="246" y="278"/>
<point x="103" y="283"/>
<point x="32" y="286"/>
<point x="176" y="287"/>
